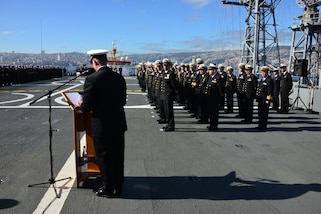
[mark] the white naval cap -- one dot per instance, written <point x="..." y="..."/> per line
<point x="248" y="67"/>
<point x="202" y="67"/>
<point x="241" y="65"/>
<point x="212" y="66"/>
<point x="229" y="68"/>
<point x="221" y="66"/>
<point x="166" y="61"/>
<point x="265" y="68"/>
<point x="199" y="61"/>
<point x="96" y="52"/>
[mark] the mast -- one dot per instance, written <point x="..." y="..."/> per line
<point x="260" y="39"/>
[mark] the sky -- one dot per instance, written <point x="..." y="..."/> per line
<point x="136" y="26"/>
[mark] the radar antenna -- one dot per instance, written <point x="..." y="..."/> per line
<point x="260" y="39"/>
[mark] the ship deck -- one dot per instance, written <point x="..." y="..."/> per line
<point x="236" y="169"/>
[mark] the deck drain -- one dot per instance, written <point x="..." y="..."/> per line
<point x="193" y="178"/>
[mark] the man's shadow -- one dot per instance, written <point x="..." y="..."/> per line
<point x="227" y="187"/>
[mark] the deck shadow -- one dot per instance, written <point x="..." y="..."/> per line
<point x="227" y="187"/>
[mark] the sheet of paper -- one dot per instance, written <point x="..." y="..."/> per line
<point x="74" y="97"/>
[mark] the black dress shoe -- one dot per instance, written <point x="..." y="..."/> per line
<point x="239" y="116"/>
<point x="104" y="193"/>
<point x="260" y="128"/>
<point x="162" y="122"/>
<point x="202" y="122"/>
<point x="246" y="121"/>
<point x="211" y="129"/>
<point x="118" y="192"/>
<point x="168" y="129"/>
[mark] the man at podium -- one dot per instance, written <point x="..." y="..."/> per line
<point x="105" y="95"/>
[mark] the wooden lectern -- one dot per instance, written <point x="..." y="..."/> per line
<point x="82" y="126"/>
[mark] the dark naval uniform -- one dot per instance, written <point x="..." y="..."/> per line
<point x="230" y="89"/>
<point x="213" y="91"/>
<point x="264" y="98"/>
<point x="240" y="94"/>
<point x="199" y="90"/>
<point x="250" y="87"/>
<point x="223" y="75"/>
<point x="276" y="92"/>
<point x="168" y="90"/>
<point x="285" y="88"/>
<point x="105" y="95"/>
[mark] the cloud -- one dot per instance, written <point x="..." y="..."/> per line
<point x="11" y="33"/>
<point x="198" y="3"/>
<point x="233" y="40"/>
<point x="5" y="33"/>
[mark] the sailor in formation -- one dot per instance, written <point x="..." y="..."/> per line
<point x="240" y="93"/>
<point x="276" y="89"/>
<point x="249" y="90"/>
<point x="285" y="88"/>
<point x="230" y="89"/>
<point x="213" y="93"/>
<point x="264" y="97"/>
<point x="168" y="92"/>
<point x="201" y="89"/>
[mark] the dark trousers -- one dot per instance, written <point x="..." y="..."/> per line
<point x="248" y="109"/>
<point x="222" y="102"/>
<point x="161" y="110"/>
<point x="240" y="103"/>
<point x="202" y="108"/>
<point x="110" y="158"/>
<point x="263" y="112"/>
<point x="284" y="102"/>
<point x="229" y="101"/>
<point x="275" y="100"/>
<point x="213" y="111"/>
<point x="169" y="112"/>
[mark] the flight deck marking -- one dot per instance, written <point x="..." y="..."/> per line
<point x="28" y="96"/>
<point x="50" y="204"/>
<point x="64" y="105"/>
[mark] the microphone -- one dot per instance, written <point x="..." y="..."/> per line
<point x="87" y="72"/>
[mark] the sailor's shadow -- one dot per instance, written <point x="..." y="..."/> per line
<point x="228" y="187"/>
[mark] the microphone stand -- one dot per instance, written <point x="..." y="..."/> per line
<point x="52" y="179"/>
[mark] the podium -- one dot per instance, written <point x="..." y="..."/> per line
<point x="85" y="156"/>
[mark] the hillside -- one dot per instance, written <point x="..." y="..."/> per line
<point x="227" y="57"/>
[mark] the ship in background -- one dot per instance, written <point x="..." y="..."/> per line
<point x="120" y="64"/>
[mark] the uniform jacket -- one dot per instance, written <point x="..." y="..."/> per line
<point x="168" y="85"/>
<point x="250" y="86"/>
<point x="200" y="83"/>
<point x="214" y="87"/>
<point x="105" y="95"/>
<point x="265" y="89"/>
<point x="230" y="86"/>
<point x="240" y="82"/>
<point x="276" y="89"/>
<point x="286" y="83"/>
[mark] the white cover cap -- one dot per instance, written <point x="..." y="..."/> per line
<point x="97" y="52"/>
